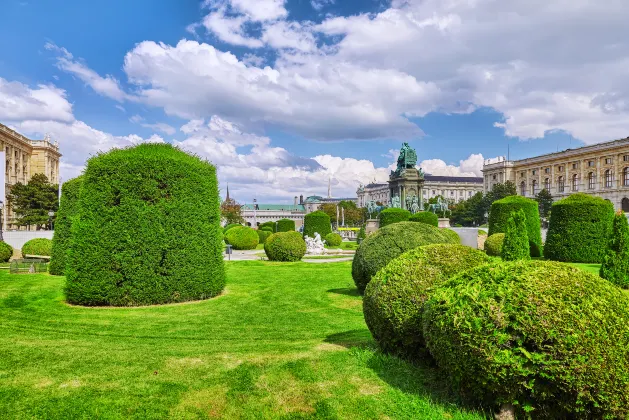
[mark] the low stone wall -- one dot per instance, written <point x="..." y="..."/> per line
<point x="17" y="238"/>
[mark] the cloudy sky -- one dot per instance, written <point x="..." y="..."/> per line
<point x="282" y="95"/>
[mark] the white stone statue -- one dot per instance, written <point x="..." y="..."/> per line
<point x="314" y="246"/>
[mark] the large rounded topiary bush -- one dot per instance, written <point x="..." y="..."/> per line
<point x="393" y="215"/>
<point x="37" y="246"/>
<point x="317" y="222"/>
<point x="427" y="217"/>
<point x="242" y="238"/>
<point x="285" y="246"/>
<point x="268" y="226"/>
<point x="388" y="243"/>
<point x="333" y="239"/>
<point x="148" y="230"/>
<point x="231" y="225"/>
<point x="6" y="252"/>
<point x="539" y="335"/>
<point x="394" y="298"/>
<point x="493" y="244"/>
<point x="285" y="225"/>
<point x="579" y="228"/>
<point x="501" y="212"/>
<point x="63" y="224"/>
<point x="455" y="238"/>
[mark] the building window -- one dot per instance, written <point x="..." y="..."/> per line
<point x="547" y="170"/>
<point x="494" y="177"/>
<point x="469" y="193"/>
<point x="591" y="163"/>
<point x="574" y="166"/>
<point x="608" y="161"/>
<point x="560" y="184"/>
<point x="534" y="171"/>
<point x="575" y="182"/>
<point x="625" y="158"/>
<point x="523" y="188"/>
<point x="561" y="169"/>
<point x="522" y="174"/>
<point x="591" y="180"/>
<point x="451" y="193"/>
<point x="608" y="179"/>
<point x="433" y="192"/>
<point x="625" y="177"/>
<point x="534" y="187"/>
<point x="547" y="184"/>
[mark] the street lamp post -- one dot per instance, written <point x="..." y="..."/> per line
<point x="50" y="215"/>
<point x="255" y="220"/>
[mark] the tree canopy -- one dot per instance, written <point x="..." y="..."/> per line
<point x="31" y="202"/>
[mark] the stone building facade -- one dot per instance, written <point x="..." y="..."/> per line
<point x="25" y="158"/>
<point x="454" y="188"/>
<point x="600" y="169"/>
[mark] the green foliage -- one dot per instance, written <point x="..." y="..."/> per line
<point x="516" y="242"/>
<point x="540" y="335"/>
<point x="6" y="252"/>
<point x="285" y="246"/>
<point x="393" y="215"/>
<point x="317" y="222"/>
<point x="393" y="302"/>
<point x="425" y="217"/>
<point x="579" y="229"/>
<point x="389" y="242"/>
<point x="501" y="212"/>
<point x="37" y="246"/>
<point x="242" y="238"/>
<point x="63" y="226"/>
<point x="285" y="225"/>
<point x="267" y="229"/>
<point x="231" y="225"/>
<point x="470" y="212"/>
<point x="333" y="239"/>
<point x="263" y="235"/>
<point x="231" y="212"/>
<point x="148" y="230"/>
<point x="31" y="202"/>
<point x="615" y="267"/>
<point x="493" y="244"/>
<point x="268" y="225"/>
<point x="545" y="202"/>
<point x="452" y="235"/>
<point x="361" y="233"/>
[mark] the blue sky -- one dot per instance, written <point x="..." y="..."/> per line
<point x="284" y="94"/>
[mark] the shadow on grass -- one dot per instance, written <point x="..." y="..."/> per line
<point x="347" y="291"/>
<point x="349" y="339"/>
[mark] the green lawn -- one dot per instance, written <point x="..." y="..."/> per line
<point x="592" y="268"/>
<point x="286" y="341"/>
<point x="347" y="245"/>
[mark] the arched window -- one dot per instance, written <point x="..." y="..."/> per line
<point x="591" y="180"/>
<point x="625" y="177"/>
<point x="624" y="204"/>
<point x="534" y="188"/>
<point x="608" y="179"/>
<point x="575" y="182"/>
<point x="560" y="184"/>
<point x="547" y="184"/>
<point x="523" y="188"/>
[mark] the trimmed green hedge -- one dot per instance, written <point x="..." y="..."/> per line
<point x="242" y="238"/>
<point x="516" y="242"/>
<point x="37" y="246"/>
<point x="6" y="252"/>
<point x="268" y="225"/>
<point x="540" y="335"/>
<point x="266" y="229"/>
<point x="615" y="267"/>
<point x="393" y="215"/>
<point x="63" y="225"/>
<point x="394" y="298"/>
<point x="501" y="212"/>
<point x="333" y="239"/>
<point x="455" y="238"/>
<point x="148" y="230"/>
<point x="493" y="244"/>
<point x="285" y="225"/>
<point x="231" y="225"/>
<point x="285" y="246"/>
<point x="388" y="243"/>
<point x="317" y="222"/>
<point x="263" y="235"/>
<point x="427" y="217"/>
<point x="579" y="229"/>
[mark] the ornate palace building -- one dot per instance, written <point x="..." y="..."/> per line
<point x="25" y="158"/>
<point x="600" y="169"/>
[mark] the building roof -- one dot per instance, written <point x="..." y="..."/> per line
<point x="275" y="207"/>
<point x="439" y="178"/>
<point x="319" y="199"/>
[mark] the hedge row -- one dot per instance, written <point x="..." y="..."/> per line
<point x="68" y="210"/>
<point x="427" y="217"/>
<point x="285" y="225"/>
<point x="317" y="222"/>
<point x="393" y="215"/>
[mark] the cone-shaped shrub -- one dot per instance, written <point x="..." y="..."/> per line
<point x="242" y="238"/>
<point x="501" y="212"/>
<point x="393" y="215"/>
<point x="285" y="225"/>
<point x="6" y="252"/>
<point x="61" y="238"/>
<point x="425" y="217"/>
<point x="579" y="229"/>
<point x="615" y="266"/>
<point x="148" y="230"/>
<point x="317" y="222"/>
<point x="516" y="243"/>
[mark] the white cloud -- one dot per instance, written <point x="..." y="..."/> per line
<point x="471" y="166"/>
<point x="320" y="4"/>
<point x="45" y="102"/>
<point x="230" y="29"/>
<point x="255" y="10"/>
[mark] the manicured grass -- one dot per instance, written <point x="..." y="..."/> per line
<point x="327" y="257"/>
<point x="351" y="245"/>
<point x="286" y="341"/>
<point x="591" y="268"/>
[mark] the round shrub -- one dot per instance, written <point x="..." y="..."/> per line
<point x="37" y="246"/>
<point x="285" y="246"/>
<point x="501" y="212"/>
<point x="285" y="225"/>
<point x="148" y="230"/>
<point x="263" y="235"/>
<point x="242" y="238"/>
<point x="268" y="225"/>
<point x="317" y="222"/>
<point x="579" y="228"/>
<point x="6" y="252"/>
<point x="455" y="238"/>
<point x="63" y="226"/>
<point x="231" y="225"/>
<point x="267" y="229"/>
<point x="427" y="217"/>
<point x="493" y="244"/>
<point x="533" y="334"/>
<point x="394" y="298"/>
<point x="388" y="243"/>
<point x="333" y="239"/>
<point x="393" y="215"/>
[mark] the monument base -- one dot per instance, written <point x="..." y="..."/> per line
<point x="372" y="226"/>
<point x="444" y="222"/>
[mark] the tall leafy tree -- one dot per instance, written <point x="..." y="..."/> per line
<point x="469" y="212"/>
<point x="231" y="212"/>
<point x="32" y="202"/>
<point x="545" y="201"/>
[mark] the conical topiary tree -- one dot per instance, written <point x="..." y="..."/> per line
<point x="516" y="243"/>
<point x="615" y="266"/>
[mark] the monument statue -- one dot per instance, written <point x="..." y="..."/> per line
<point x="406" y="160"/>
<point x="396" y="202"/>
<point x="372" y="207"/>
<point x="441" y="206"/>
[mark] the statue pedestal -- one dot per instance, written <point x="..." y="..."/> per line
<point x="444" y="222"/>
<point x="372" y="226"/>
